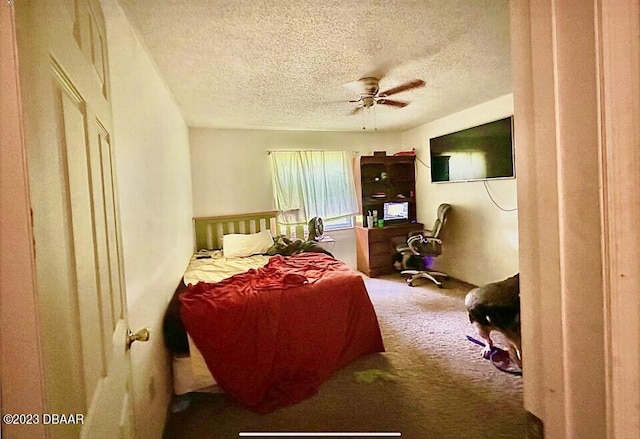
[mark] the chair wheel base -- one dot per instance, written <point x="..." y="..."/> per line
<point x="415" y="274"/>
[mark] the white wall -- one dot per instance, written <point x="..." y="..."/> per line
<point x="231" y="172"/>
<point x="480" y="240"/>
<point x="153" y="172"/>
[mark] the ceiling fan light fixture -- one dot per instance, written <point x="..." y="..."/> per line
<point x="371" y="96"/>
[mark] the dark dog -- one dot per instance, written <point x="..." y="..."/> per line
<point x="496" y="307"/>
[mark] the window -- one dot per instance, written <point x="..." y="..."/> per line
<point x="307" y="184"/>
<point x="345" y="222"/>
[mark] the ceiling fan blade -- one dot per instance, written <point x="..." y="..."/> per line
<point x="398" y="104"/>
<point x="355" y="110"/>
<point x="408" y="86"/>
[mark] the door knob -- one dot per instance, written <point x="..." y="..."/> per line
<point x="140" y="335"/>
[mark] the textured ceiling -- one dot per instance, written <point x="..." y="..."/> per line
<point x="286" y="64"/>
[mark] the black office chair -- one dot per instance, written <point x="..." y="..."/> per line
<point x="425" y="244"/>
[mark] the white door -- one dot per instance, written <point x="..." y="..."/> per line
<point x="67" y="121"/>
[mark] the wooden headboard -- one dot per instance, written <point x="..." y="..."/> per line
<point x="210" y="230"/>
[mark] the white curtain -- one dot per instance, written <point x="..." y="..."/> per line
<point x="312" y="183"/>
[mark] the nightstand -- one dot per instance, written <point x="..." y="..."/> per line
<point x="326" y="242"/>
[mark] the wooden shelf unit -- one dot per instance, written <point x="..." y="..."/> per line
<point x="386" y="178"/>
<point x="381" y="179"/>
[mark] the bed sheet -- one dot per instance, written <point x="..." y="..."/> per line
<point x="272" y="335"/>
<point x="205" y="266"/>
<point x="212" y="266"/>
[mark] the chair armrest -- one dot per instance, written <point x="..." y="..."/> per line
<point x="420" y="232"/>
<point x="421" y="239"/>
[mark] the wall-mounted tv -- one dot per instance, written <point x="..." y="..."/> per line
<point x="478" y="153"/>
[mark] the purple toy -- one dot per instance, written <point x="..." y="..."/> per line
<point x="499" y="358"/>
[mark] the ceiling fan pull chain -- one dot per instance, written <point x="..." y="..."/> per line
<point x="363" y="110"/>
<point x="375" y="123"/>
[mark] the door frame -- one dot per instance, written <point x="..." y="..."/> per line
<point x="618" y="103"/>
<point x="20" y="344"/>
<point x="577" y="103"/>
<point x="619" y="30"/>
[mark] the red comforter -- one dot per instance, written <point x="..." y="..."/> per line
<point x="271" y="336"/>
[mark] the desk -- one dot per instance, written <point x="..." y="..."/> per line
<point x="375" y="249"/>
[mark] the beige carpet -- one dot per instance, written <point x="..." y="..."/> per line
<point x="430" y="384"/>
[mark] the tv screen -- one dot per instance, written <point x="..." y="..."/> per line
<point x="477" y="153"/>
<point x="394" y="211"/>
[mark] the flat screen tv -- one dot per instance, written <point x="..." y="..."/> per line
<point x="478" y="153"/>
<point x="396" y="211"/>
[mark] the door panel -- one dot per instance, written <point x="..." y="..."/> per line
<point x="72" y="188"/>
<point x="83" y="263"/>
<point x="106" y="288"/>
<point x="113" y="248"/>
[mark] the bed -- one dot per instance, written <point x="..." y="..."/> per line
<point x="270" y="326"/>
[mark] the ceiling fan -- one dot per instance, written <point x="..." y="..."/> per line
<point x="372" y="96"/>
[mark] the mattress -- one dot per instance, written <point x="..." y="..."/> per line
<point x="271" y="329"/>
<point x="190" y="372"/>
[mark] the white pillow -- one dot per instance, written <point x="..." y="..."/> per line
<point x="238" y="245"/>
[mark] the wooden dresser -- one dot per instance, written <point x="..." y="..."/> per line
<point x="375" y="249"/>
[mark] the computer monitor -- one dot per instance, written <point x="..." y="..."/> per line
<point x="396" y="211"/>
